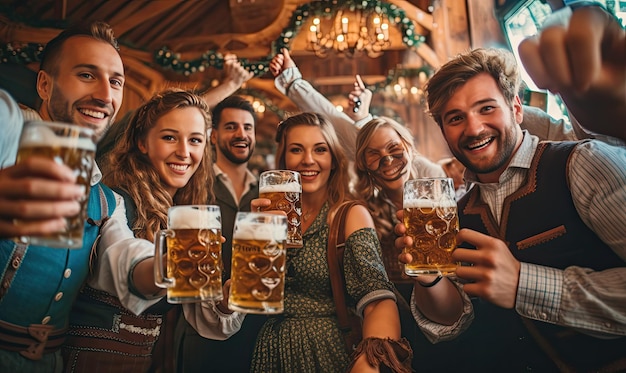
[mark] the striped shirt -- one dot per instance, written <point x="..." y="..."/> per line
<point x="592" y="302"/>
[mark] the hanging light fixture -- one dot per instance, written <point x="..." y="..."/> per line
<point x="348" y="27"/>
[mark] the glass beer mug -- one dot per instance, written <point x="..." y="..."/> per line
<point x="431" y="220"/>
<point x="284" y="189"/>
<point x="193" y="242"/>
<point x="73" y="146"/>
<point x="258" y="264"/>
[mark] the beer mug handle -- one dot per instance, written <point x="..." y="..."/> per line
<point x="160" y="245"/>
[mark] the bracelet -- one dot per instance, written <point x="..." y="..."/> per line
<point x="431" y="284"/>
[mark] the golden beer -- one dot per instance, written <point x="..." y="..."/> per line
<point x="74" y="147"/>
<point x="431" y="220"/>
<point x="194" y="261"/>
<point x="284" y="189"/>
<point x="194" y="254"/>
<point x="258" y="265"/>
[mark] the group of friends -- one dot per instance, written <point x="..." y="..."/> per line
<point x="542" y="239"/>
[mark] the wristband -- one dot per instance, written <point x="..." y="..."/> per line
<point x="431" y="284"/>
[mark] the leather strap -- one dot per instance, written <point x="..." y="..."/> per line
<point x="336" y="246"/>
<point x="31" y="341"/>
<point x="14" y="264"/>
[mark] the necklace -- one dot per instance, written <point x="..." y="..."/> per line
<point x="306" y="215"/>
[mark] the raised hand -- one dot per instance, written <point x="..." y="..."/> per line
<point x="584" y="62"/>
<point x="493" y="274"/>
<point x="234" y="72"/>
<point x="35" y="197"/>
<point x="281" y="62"/>
<point x="359" y="100"/>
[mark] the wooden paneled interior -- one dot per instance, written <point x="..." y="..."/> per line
<point x="248" y="28"/>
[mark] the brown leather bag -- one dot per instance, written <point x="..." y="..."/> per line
<point x="349" y="322"/>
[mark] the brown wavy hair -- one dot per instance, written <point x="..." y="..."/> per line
<point x="498" y="63"/>
<point x="339" y="180"/>
<point x="130" y="170"/>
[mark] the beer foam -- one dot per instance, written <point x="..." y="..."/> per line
<point x="44" y="136"/>
<point x="260" y="231"/>
<point x="186" y="217"/>
<point x="423" y="203"/>
<point x="291" y="187"/>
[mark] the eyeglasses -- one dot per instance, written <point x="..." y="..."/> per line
<point x="371" y="160"/>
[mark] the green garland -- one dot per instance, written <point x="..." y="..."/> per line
<point x="168" y="59"/>
<point x="23" y="54"/>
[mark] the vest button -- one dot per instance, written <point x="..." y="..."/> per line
<point x="45" y="320"/>
<point x="67" y="273"/>
<point x="58" y="296"/>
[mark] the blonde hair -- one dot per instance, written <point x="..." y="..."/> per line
<point x="378" y="203"/>
<point x="130" y="170"/>
<point x="339" y="180"/>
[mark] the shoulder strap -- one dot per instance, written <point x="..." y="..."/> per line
<point x="107" y="206"/>
<point x="336" y="246"/>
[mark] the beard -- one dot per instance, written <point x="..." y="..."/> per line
<point x="60" y="110"/>
<point x="506" y="143"/>
<point x="234" y="159"/>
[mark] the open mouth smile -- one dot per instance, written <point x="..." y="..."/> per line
<point x="92" y="113"/>
<point x="178" y="167"/>
<point x="480" y="144"/>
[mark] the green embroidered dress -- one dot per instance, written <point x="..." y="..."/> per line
<point x="305" y="338"/>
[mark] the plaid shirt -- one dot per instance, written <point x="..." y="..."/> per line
<point x="593" y="302"/>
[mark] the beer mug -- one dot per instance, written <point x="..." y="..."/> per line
<point x="258" y="264"/>
<point x="74" y="147"/>
<point x="431" y="220"/>
<point x="193" y="242"/>
<point x="284" y="189"/>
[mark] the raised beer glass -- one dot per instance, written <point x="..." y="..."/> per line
<point x="258" y="266"/>
<point x="431" y="220"/>
<point x="194" y="254"/>
<point x="73" y="146"/>
<point x="284" y="189"/>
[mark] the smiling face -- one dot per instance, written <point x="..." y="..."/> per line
<point x="234" y="137"/>
<point x="87" y="86"/>
<point x="175" y="146"/>
<point x="481" y="129"/>
<point x="307" y="151"/>
<point x="386" y="159"/>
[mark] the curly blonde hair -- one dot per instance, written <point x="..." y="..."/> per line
<point x="130" y="170"/>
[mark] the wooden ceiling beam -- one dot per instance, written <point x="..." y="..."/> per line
<point x="148" y="11"/>
<point x="60" y="9"/>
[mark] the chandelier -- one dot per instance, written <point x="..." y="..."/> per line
<point x="348" y="27"/>
<point x="406" y="84"/>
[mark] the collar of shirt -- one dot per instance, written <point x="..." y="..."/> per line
<point x="521" y="159"/>
<point x="248" y="182"/>
<point x="96" y="174"/>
